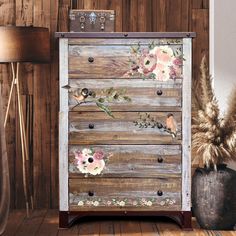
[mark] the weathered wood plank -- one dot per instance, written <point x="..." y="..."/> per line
<point x="130" y="228"/>
<point x="54" y="104"/>
<point x="160" y="19"/>
<point x="89" y="228"/>
<point x="106" y="228"/>
<point x="148" y="228"/>
<point x="143" y="94"/>
<point x="200" y="25"/>
<point x="7" y="17"/>
<point x="63" y="127"/>
<point x="186" y="132"/>
<point x="49" y="225"/>
<point x="104" y="60"/>
<point x="41" y="146"/>
<point x="31" y="225"/>
<point x="130" y="194"/>
<point x="173" y="11"/>
<point x="200" y="4"/>
<point x="121" y="129"/>
<point x="15" y="220"/>
<point x="130" y="161"/>
<point x="124" y="41"/>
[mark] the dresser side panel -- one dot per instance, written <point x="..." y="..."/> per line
<point x="186" y="122"/>
<point x="63" y="126"/>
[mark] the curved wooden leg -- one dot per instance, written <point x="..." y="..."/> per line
<point x="187" y="220"/>
<point x="64" y="219"/>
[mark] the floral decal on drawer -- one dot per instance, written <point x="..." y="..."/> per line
<point x="90" y="161"/>
<point x="120" y="202"/>
<point x="156" y="62"/>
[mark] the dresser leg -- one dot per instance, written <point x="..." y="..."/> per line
<point x="187" y="220"/>
<point x="64" y="219"/>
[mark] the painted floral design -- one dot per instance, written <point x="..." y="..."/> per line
<point x="120" y="202"/>
<point x="156" y="62"/>
<point x="90" y="161"/>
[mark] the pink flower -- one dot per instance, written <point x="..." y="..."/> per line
<point x="79" y="155"/>
<point x="98" y="155"/>
<point x="178" y="62"/>
<point x="147" y="63"/>
<point x="164" y="54"/>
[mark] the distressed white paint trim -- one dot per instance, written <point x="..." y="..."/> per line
<point x="212" y="40"/>
<point x="63" y="127"/>
<point x="186" y="124"/>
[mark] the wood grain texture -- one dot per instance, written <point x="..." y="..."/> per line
<point x="5" y="79"/>
<point x="186" y="132"/>
<point x="157" y="14"/>
<point x="42" y="111"/>
<point x="118" y="130"/>
<point x="143" y="94"/>
<point x="63" y="127"/>
<point x="200" y="24"/>
<point x="127" y="194"/>
<point x="108" y="61"/>
<point x="133" y="161"/>
<point x="94" y="227"/>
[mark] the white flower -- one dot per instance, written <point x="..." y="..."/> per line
<point x="80" y="203"/>
<point x="121" y="203"/>
<point x="135" y="203"/>
<point x="95" y="203"/>
<point x="88" y="203"/>
<point x="162" y="203"/>
<point x="171" y="202"/>
<point x="86" y="151"/>
<point x="149" y="203"/>
<point x="108" y="203"/>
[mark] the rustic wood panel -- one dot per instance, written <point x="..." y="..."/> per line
<point x="127" y="194"/>
<point x="42" y="83"/>
<point x="143" y="94"/>
<point x="119" y="130"/>
<point x="131" y="161"/>
<point x="154" y="226"/>
<point x="108" y="61"/>
<point x="200" y="24"/>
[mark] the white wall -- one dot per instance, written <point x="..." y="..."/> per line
<point x="223" y="48"/>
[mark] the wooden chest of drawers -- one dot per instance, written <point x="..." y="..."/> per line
<point x="125" y="125"/>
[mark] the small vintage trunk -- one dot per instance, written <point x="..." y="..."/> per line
<point x="125" y="125"/>
<point x="92" y="20"/>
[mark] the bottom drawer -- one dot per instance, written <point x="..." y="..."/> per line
<point x="113" y="194"/>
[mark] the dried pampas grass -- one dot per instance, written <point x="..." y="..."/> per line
<point x="214" y="138"/>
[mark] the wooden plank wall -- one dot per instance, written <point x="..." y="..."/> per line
<point x="40" y="87"/>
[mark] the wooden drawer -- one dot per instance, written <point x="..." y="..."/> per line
<point x="125" y="194"/>
<point x="125" y="161"/>
<point x="145" y="95"/>
<point x="123" y="61"/>
<point x="99" y="128"/>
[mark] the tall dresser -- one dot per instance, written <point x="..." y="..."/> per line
<point x="125" y="125"/>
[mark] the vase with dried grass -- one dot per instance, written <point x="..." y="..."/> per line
<point x="213" y="145"/>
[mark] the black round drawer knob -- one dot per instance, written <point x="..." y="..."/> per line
<point x="91" y="59"/>
<point x="91" y="194"/>
<point x="91" y="126"/>
<point x="159" y="193"/>
<point x="159" y="92"/>
<point x="160" y="159"/>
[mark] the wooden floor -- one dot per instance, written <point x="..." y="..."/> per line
<point x="45" y="223"/>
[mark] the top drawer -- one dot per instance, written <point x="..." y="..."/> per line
<point x="153" y="61"/>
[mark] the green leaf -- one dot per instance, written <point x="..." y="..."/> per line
<point x="110" y="90"/>
<point x="127" y="99"/>
<point x="101" y="100"/>
<point x="104" y="108"/>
